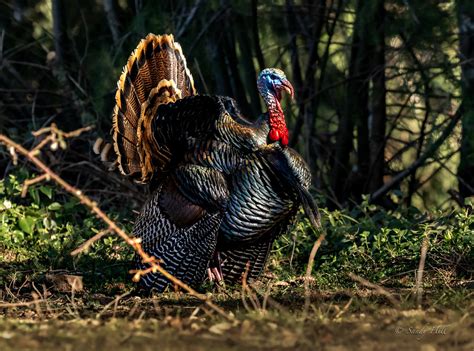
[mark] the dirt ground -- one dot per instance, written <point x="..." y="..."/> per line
<point x="334" y="321"/>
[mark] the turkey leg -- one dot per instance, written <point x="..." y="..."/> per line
<point x="215" y="270"/>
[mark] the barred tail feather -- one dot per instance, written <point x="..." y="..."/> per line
<point x="183" y="250"/>
<point x="249" y="260"/>
<point x="156" y="73"/>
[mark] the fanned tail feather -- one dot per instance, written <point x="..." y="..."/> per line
<point x="156" y="73"/>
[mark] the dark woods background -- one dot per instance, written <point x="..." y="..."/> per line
<point x="384" y="89"/>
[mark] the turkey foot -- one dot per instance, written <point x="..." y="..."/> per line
<point x="215" y="270"/>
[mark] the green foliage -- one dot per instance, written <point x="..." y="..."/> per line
<point x="40" y="230"/>
<point x="383" y="246"/>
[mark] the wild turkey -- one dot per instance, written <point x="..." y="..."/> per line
<point x="225" y="187"/>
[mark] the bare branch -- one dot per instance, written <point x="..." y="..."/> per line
<point x="30" y="182"/>
<point x="419" y="272"/>
<point x="420" y="161"/>
<point x="309" y="268"/>
<point x="110" y="9"/>
<point x="377" y="288"/>
<point x="189" y="18"/>
<point x="112" y="226"/>
<point x="88" y="243"/>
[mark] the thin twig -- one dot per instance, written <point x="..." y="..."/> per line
<point x="309" y="269"/>
<point x="53" y="128"/>
<point x="344" y="309"/>
<point x="41" y="144"/>
<point x="133" y="242"/>
<point x="421" y="160"/>
<point x="30" y="182"/>
<point x="114" y="302"/>
<point x="377" y="288"/>
<point x="245" y="289"/>
<point x="87" y="244"/>
<point x="36" y="298"/>
<point x="20" y="304"/>
<point x="419" y="272"/>
<point x="267" y="299"/>
<point x="189" y="18"/>
<point x="218" y="14"/>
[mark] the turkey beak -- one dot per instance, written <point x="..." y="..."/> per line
<point x="288" y="88"/>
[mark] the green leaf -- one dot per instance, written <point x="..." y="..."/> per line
<point x="48" y="191"/>
<point x="55" y="206"/>
<point x="18" y="236"/>
<point x="27" y="224"/>
<point x="71" y="204"/>
<point x="34" y="194"/>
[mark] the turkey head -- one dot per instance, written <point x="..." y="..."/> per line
<point x="271" y="83"/>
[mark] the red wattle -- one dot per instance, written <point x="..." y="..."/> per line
<point x="274" y="135"/>
<point x="284" y="139"/>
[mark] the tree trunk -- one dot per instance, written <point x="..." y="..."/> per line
<point x="256" y="36"/>
<point x="314" y="12"/>
<point x="221" y="76"/>
<point x="250" y="75"/>
<point x="59" y="31"/>
<point x="234" y="72"/>
<point x="355" y="114"/>
<point x="466" y="42"/>
<point x="110" y="8"/>
<point x="379" y="117"/>
<point x="295" y="68"/>
<point x="228" y="41"/>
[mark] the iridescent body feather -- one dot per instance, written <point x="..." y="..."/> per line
<point x="224" y="185"/>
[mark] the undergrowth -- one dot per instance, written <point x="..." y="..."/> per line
<point x="381" y="245"/>
<point x="38" y="232"/>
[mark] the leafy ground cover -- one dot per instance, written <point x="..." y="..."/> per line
<point x="50" y="300"/>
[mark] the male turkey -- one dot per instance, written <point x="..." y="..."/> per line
<point x="225" y="187"/>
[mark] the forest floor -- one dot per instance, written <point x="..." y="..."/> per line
<point x="361" y="292"/>
<point x="260" y="319"/>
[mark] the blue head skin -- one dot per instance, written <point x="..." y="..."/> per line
<point x="271" y="83"/>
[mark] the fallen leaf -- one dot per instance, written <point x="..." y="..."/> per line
<point x="220" y="328"/>
<point x="66" y="282"/>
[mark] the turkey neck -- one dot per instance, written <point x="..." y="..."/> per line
<point x="276" y="118"/>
